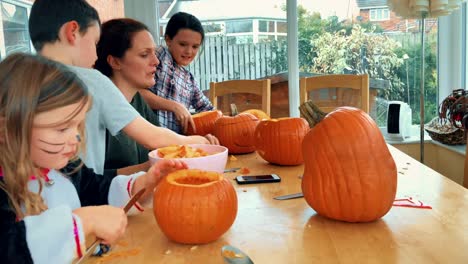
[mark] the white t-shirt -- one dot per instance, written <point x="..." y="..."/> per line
<point x="110" y="110"/>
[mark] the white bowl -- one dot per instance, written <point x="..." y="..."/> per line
<point x="212" y="162"/>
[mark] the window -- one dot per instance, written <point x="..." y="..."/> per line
<point x="240" y="26"/>
<point x="213" y="28"/>
<point x="380" y="14"/>
<point x="266" y="26"/>
<point x="14" y="34"/>
<point x="330" y="44"/>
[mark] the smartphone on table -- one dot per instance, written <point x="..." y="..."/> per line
<point x="248" y="179"/>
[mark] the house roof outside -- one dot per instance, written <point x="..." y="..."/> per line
<point x="213" y="10"/>
<point x="367" y="4"/>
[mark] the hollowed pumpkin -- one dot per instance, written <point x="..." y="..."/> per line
<point x="204" y="122"/>
<point x="236" y="132"/>
<point x="194" y="206"/>
<point x="349" y="173"/>
<point x="258" y="113"/>
<point x="279" y="141"/>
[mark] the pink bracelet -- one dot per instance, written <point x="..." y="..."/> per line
<point x="77" y="238"/>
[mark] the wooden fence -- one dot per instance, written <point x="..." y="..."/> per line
<point x="219" y="61"/>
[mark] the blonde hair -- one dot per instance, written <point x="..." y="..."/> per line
<point x="30" y="85"/>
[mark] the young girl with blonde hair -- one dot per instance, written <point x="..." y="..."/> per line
<point x="44" y="218"/>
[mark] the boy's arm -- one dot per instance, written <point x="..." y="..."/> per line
<point x="157" y="102"/>
<point x="153" y="137"/>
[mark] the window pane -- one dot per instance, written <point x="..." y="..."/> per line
<point x="388" y="51"/>
<point x="282" y="27"/>
<point x="239" y="26"/>
<point x="266" y="26"/>
<point x="15" y="28"/>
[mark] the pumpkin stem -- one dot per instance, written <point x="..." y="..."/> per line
<point x="311" y="113"/>
<point x="234" y="111"/>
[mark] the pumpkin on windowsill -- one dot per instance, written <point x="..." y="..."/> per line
<point x="349" y="173"/>
<point x="194" y="206"/>
<point x="279" y="141"/>
<point x="236" y="132"/>
<point x="204" y="122"/>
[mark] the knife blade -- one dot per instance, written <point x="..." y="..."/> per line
<point x="96" y="243"/>
<point x="289" y="196"/>
<point x="231" y="170"/>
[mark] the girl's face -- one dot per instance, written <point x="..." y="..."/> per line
<point x="54" y="140"/>
<point x="138" y="65"/>
<point x="184" y="46"/>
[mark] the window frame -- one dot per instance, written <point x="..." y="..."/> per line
<point x="377" y="12"/>
<point x="20" y="3"/>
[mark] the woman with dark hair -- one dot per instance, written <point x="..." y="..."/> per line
<point x="176" y="89"/>
<point x="126" y="54"/>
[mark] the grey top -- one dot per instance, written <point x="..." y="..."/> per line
<point x="110" y="110"/>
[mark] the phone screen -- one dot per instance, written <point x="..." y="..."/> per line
<point x="246" y="179"/>
<point x="257" y="177"/>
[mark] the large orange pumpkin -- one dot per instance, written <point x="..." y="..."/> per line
<point x="349" y="173"/>
<point x="204" y="122"/>
<point x="194" y="206"/>
<point x="258" y="113"/>
<point x="279" y="141"/>
<point x="236" y="132"/>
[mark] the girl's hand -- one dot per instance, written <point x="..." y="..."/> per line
<point x="160" y="170"/>
<point x="183" y="116"/>
<point x="105" y="222"/>
<point x="155" y="174"/>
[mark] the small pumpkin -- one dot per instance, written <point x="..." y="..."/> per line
<point x="279" y="141"/>
<point x="258" y="113"/>
<point x="204" y="122"/>
<point x="236" y="132"/>
<point x="349" y="173"/>
<point x="194" y="207"/>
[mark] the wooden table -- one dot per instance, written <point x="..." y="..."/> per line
<point x="272" y="231"/>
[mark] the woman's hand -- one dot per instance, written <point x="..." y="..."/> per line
<point x="105" y="222"/>
<point x="183" y="116"/>
<point x="155" y="174"/>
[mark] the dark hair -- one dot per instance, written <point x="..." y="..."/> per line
<point x="48" y="16"/>
<point x="116" y="39"/>
<point x="183" y="20"/>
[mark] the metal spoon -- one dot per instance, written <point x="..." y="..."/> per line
<point x="233" y="255"/>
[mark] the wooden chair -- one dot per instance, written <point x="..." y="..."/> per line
<point x="336" y="96"/>
<point x="258" y="87"/>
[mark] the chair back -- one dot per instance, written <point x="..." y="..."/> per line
<point x="258" y="87"/>
<point x="341" y="90"/>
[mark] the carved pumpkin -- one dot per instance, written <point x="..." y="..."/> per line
<point x="194" y="206"/>
<point x="349" y="173"/>
<point x="258" y="113"/>
<point x="204" y="122"/>
<point x="279" y="141"/>
<point x="236" y="132"/>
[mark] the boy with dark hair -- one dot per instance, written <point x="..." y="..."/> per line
<point x="67" y="32"/>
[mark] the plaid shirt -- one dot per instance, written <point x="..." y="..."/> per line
<point x="176" y="83"/>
